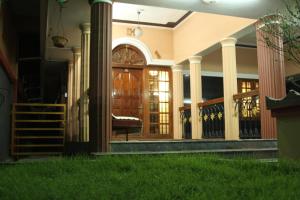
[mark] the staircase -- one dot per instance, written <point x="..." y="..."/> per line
<point x="38" y="129"/>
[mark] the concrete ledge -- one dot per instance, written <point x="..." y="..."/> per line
<point x="252" y="153"/>
<point x="189" y="145"/>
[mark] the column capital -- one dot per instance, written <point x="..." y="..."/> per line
<point x="228" y="42"/>
<point x="76" y="50"/>
<point x="99" y="1"/>
<point x="195" y="59"/>
<point x="85" y="27"/>
<point x="269" y="20"/>
<point x="177" y="68"/>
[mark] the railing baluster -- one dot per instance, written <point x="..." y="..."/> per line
<point x="185" y="115"/>
<point x="248" y="108"/>
<point x="213" y="118"/>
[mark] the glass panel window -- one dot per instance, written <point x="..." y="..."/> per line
<point x="159" y="101"/>
<point x="247" y="85"/>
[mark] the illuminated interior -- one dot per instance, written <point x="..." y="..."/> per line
<point x="159" y="101"/>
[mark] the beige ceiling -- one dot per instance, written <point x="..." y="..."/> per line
<point x="78" y="11"/>
<point x="240" y="8"/>
<point x="128" y="12"/>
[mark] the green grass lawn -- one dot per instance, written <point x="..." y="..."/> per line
<point x="150" y="177"/>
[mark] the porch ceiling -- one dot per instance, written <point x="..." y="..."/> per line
<point x="239" y="8"/>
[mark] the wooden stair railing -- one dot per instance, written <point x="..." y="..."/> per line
<point x="38" y="129"/>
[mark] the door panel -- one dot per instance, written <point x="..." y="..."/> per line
<point x="127" y="91"/>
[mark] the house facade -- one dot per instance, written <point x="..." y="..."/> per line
<point x="186" y="75"/>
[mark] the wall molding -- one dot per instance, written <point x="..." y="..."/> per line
<point x="167" y="25"/>
<point x="220" y="74"/>
<point x="144" y="49"/>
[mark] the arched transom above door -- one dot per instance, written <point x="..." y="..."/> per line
<point x="128" y="55"/>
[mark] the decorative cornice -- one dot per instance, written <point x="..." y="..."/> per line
<point x="85" y="27"/>
<point x="273" y="19"/>
<point x="195" y="59"/>
<point x="99" y="1"/>
<point x="167" y="25"/>
<point x="228" y="42"/>
<point x="76" y="50"/>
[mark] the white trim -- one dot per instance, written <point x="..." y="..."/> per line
<point x="248" y="76"/>
<point x="195" y="59"/>
<point x="228" y="42"/>
<point x="144" y="49"/>
<point x="220" y="74"/>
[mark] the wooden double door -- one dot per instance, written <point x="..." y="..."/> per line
<point x="142" y="91"/>
<point x="127" y="92"/>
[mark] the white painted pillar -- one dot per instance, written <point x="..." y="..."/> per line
<point x="84" y="81"/>
<point x="196" y="95"/>
<point x="230" y="88"/>
<point x="70" y="100"/>
<point x="177" y="100"/>
<point x="76" y="92"/>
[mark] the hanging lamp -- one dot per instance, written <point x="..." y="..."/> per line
<point x="138" y="31"/>
<point x="59" y="40"/>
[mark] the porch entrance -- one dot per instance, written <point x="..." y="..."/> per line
<point x="143" y="92"/>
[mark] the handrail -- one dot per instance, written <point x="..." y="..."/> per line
<point x="183" y="108"/>
<point x="246" y="94"/>
<point x="211" y="102"/>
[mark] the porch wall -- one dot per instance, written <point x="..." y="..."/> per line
<point x="158" y="40"/>
<point x="198" y="32"/>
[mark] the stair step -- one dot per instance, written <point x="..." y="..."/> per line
<point x="265" y="153"/>
<point x="190" y="145"/>
<point x="38" y="129"/>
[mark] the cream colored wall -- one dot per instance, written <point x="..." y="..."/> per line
<point x="202" y="30"/>
<point x="157" y="39"/>
<point x="246" y="61"/>
<point x="8" y="38"/>
<point x="291" y="68"/>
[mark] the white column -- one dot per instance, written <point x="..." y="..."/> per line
<point x="84" y="81"/>
<point x="196" y="95"/>
<point x="230" y="88"/>
<point x="177" y="100"/>
<point x="70" y="100"/>
<point x="76" y="92"/>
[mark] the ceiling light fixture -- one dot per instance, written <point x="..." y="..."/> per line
<point x="138" y="31"/>
<point x="59" y="40"/>
<point x="209" y="1"/>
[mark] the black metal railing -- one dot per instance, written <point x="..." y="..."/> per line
<point x="247" y="105"/>
<point x="185" y="116"/>
<point x="212" y="116"/>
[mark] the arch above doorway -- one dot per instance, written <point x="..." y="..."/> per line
<point x="144" y="49"/>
